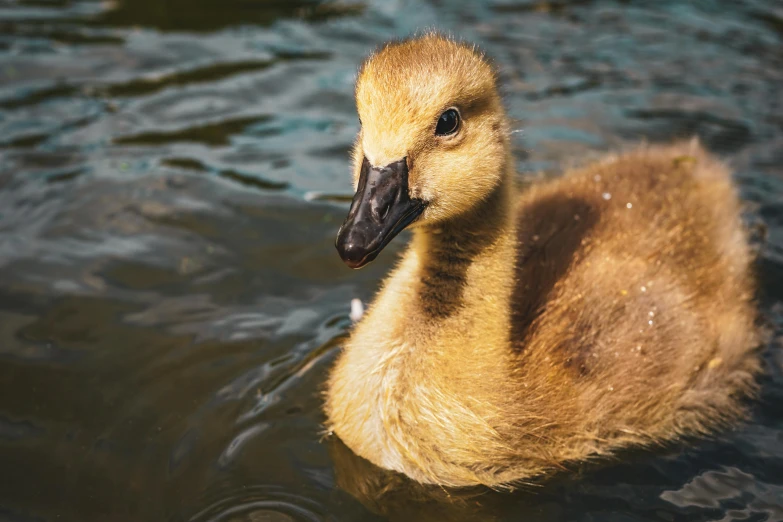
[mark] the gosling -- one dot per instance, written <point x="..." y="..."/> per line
<point x="520" y="334"/>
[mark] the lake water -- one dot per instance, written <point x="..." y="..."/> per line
<point x="172" y="176"/>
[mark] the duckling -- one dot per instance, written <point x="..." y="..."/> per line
<point x="520" y="334"/>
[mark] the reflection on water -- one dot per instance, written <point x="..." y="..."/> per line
<point x="172" y="174"/>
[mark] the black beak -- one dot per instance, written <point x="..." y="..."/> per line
<point x="380" y="210"/>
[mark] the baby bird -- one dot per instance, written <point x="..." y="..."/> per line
<point x="521" y="333"/>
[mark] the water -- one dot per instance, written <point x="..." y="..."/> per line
<point x="172" y="175"/>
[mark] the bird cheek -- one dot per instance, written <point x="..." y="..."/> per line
<point x="417" y="180"/>
<point x="417" y="189"/>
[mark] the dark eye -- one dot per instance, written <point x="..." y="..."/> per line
<point x="448" y="123"/>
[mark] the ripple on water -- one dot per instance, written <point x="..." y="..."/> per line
<point x="747" y="495"/>
<point x="261" y="504"/>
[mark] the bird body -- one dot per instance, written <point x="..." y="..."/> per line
<point x="522" y="332"/>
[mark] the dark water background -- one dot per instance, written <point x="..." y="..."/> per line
<point x="172" y="174"/>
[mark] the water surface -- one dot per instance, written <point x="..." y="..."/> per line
<point x="172" y="175"/>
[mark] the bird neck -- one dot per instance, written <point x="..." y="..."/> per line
<point x="465" y="271"/>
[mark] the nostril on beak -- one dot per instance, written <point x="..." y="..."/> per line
<point x="383" y="210"/>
